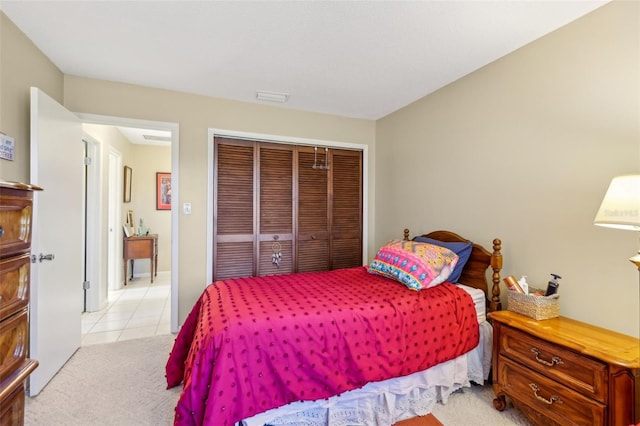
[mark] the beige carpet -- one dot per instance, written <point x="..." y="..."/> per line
<point x="114" y="384"/>
<point x="122" y="384"/>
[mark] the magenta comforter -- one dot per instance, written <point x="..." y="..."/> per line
<point x="252" y="344"/>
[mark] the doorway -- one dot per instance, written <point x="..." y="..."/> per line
<point x="113" y="214"/>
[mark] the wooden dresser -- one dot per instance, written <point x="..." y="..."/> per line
<point x="565" y="372"/>
<point x="16" y="204"/>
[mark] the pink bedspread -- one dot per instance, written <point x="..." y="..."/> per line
<point x="252" y="344"/>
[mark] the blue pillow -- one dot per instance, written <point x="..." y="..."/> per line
<point x="462" y="249"/>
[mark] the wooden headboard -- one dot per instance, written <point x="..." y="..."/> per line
<point x="474" y="272"/>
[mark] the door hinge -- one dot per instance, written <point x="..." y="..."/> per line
<point x="87" y="161"/>
<point x="86" y="285"/>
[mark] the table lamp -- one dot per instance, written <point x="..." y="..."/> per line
<point x="620" y="207"/>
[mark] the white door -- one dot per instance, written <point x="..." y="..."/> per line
<point x="94" y="298"/>
<point x="58" y="224"/>
<point x="114" y="256"/>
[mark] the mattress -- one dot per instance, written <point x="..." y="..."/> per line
<point x="479" y="301"/>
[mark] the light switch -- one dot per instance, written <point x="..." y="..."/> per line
<point x="186" y="208"/>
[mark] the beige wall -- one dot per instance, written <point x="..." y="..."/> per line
<point x="21" y="65"/>
<point x="524" y="150"/>
<point x="195" y="116"/>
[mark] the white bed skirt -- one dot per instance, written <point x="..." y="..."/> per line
<point x="389" y="401"/>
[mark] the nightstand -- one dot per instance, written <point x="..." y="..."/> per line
<point x="561" y="371"/>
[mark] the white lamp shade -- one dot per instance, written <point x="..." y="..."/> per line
<point x="620" y="207"/>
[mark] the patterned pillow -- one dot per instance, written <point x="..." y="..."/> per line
<point x="462" y="249"/>
<point x="416" y="265"/>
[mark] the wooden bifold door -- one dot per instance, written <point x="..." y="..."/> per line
<point x="281" y="208"/>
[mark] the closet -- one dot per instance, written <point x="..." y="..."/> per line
<point x="281" y="208"/>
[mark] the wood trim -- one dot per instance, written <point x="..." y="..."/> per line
<point x="235" y="238"/>
<point x="256" y="207"/>
<point x="271" y="237"/>
<point x="330" y="204"/>
<point x="19" y="186"/>
<point x="295" y="199"/>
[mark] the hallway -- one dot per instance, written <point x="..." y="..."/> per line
<point x="140" y="309"/>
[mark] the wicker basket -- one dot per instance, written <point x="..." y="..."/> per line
<point x="536" y="307"/>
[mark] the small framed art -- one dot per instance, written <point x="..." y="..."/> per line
<point x="127" y="184"/>
<point x="163" y="191"/>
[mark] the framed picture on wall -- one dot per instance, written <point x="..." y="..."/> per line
<point x="163" y="191"/>
<point x="127" y="184"/>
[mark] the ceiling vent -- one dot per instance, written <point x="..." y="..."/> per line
<point x="156" y="138"/>
<point x="272" y="96"/>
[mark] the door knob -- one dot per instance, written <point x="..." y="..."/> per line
<point x="46" y="257"/>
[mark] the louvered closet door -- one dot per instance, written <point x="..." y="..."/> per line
<point x="276" y="209"/>
<point x="313" y="223"/>
<point x="346" y="208"/>
<point x="270" y="199"/>
<point x="234" y="209"/>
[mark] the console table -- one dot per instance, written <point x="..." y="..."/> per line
<point x="140" y="247"/>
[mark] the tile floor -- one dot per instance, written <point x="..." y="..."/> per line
<point x="140" y="309"/>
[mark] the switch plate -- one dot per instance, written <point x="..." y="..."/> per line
<point x="186" y="208"/>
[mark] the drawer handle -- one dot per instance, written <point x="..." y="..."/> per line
<point x="553" y="399"/>
<point x="555" y="360"/>
<point x="1" y="231"/>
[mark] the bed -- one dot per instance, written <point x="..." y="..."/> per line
<point x="342" y="347"/>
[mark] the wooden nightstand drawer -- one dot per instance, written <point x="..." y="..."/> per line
<point x="14" y="284"/>
<point x="557" y="402"/>
<point x="574" y="370"/>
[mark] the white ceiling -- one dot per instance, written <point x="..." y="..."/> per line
<point x="361" y="59"/>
